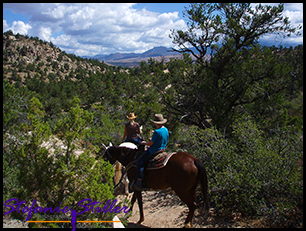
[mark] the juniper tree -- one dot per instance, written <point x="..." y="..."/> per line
<point x="231" y="71"/>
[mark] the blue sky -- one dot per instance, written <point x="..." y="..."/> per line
<point x="97" y="28"/>
<point x="163" y="7"/>
<point x="10" y="16"/>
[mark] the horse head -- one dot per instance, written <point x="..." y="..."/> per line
<point x="107" y="156"/>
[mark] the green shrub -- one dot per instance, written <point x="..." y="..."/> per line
<point x="251" y="173"/>
<point x="59" y="178"/>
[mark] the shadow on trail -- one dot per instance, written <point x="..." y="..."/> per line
<point x="163" y="198"/>
<point x="135" y="225"/>
<point x="168" y="198"/>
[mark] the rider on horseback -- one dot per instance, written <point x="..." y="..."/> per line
<point x="132" y="130"/>
<point x="158" y="142"/>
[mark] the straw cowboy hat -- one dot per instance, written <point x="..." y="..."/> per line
<point x="159" y="119"/>
<point x="131" y="116"/>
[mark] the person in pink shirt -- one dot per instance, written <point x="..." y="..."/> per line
<point x="131" y="131"/>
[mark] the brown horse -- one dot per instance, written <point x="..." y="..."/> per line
<point x="182" y="173"/>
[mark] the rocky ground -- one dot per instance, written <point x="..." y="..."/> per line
<point x="13" y="223"/>
<point x="164" y="209"/>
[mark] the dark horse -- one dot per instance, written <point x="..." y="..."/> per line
<point x="182" y="173"/>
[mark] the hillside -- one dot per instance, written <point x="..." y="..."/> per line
<point x="30" y="56"/>
<point x="57" y="77"/>
<point x="24" y="52"/>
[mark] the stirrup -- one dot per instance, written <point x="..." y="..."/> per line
<point x="137" y="188"/>
<point x="133" y="186"/>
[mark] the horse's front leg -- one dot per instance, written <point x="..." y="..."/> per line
<point x="126" y="186"/>
<point x="133" y="201"/>
<point x="140" y="205"/>
<point x="137" y="195"/>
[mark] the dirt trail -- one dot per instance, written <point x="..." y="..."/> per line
<point x="164" y="209"/>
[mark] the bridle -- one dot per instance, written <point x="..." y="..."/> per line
<point x="124" y="172"/>
<point x="108" y="156"/>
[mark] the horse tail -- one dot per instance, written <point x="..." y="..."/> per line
<point x="203" y="180"/>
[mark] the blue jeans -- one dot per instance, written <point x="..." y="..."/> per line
<point x="141" y="164"/>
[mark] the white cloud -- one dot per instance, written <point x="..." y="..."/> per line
<point x="45" y="33"/>
<point x="294" y="6"/>
<point x="58" y="12"/>
<point x="5" y="26"/>
<point x="17" y="27"/>
<point x="294" y="11"/>
<point x="94" y="28"/>
<point x="296" y="17"/>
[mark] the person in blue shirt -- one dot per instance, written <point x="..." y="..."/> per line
<point x="158" y="142"/>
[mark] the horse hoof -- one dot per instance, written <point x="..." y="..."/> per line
<point x="141" y="220"/>
<point x="188" y="225"/>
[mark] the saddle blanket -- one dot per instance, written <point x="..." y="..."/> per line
<point x="128" y="145"/>
<point x="159" y="161"/>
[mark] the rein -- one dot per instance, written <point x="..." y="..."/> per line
<point x="122" y="175"/>
<point x="124" y="158"/>
<point x="108" y="156"/>
<point x="124" y="171"/>
<point x="127" y="167"/>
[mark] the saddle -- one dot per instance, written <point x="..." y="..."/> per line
<point x="159" y="160"/>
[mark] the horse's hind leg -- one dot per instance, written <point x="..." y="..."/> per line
<point x="188" y="199"/>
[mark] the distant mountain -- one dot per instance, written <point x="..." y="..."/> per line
<point x="159" y="51"/>
<point x="133" y="59"/>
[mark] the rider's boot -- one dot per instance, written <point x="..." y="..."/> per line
<point x="137" y="186"/>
